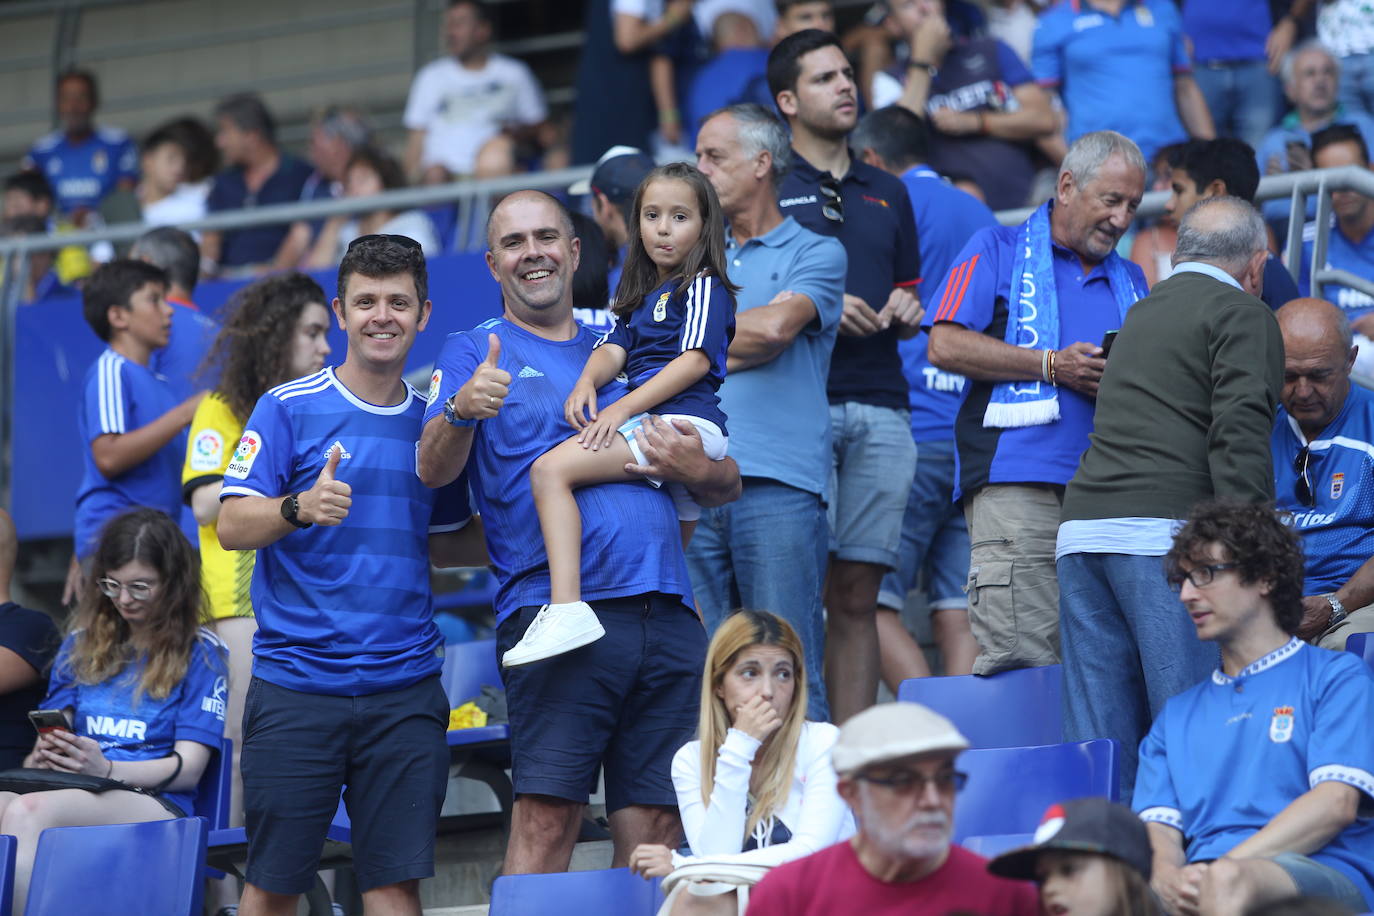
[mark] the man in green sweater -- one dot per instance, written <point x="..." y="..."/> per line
<point x="1184" y="413"/>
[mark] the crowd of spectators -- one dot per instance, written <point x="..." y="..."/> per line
<point x="1013" y="421"/>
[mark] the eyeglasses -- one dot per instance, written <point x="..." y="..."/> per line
<point x="832" y="204"/>
<point x="1302" y="487"/>
<point x="1200" y="576"/>
<point x="403" y="240"/>
<point x="139" y="590"/>
<point x="905" y="782"/>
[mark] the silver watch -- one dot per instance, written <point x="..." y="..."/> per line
<point x="1338" y="611"/>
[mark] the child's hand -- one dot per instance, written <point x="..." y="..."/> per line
<point x="601" y="432"/>
<point x="580" y="407"/>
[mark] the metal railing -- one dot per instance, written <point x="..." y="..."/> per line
<point x="473" y="199"/>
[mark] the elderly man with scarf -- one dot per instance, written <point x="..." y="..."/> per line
<point x="1022" y="315"/>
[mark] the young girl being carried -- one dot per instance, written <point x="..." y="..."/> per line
<point x="675" y="317"/>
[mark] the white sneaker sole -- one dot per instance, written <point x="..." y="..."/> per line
<point x="520" y="654"/>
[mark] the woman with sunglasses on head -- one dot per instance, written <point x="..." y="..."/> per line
<point x="757" y="787"/>
<point x="141" y="684"/>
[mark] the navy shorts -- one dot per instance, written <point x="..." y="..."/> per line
<point x="301" y="749"/>
<point x="626" y="702"/>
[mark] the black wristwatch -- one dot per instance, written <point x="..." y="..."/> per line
<point x="290" y="508"/>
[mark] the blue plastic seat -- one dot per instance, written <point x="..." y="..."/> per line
<point x="215" y="786"/>
<point x="1013" y="709"/>
<point x="612" y="892"/>
<point x="153" y="867"/>
<point x="996" y="844"/>
<point x="8" y="844"/>
<point x="468" y="667"/>
<point x="1009" y="788"/>
<point x="1362" y="644"/>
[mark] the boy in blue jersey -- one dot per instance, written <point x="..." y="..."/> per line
<point x="628" y="700"/>
<point x="130" y="417"/>
<point x="1253" y="783"/>
<point x="347" y="657"/>
<point x="82" y="161"/>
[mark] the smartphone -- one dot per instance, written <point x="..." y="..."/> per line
<point x="47" y="720"/>
<point x="1107" y="340"/>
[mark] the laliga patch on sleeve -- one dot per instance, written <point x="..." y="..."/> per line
<point x="244" y="455"/>
<point x="435" y="381"/>
<point x="207" y="451"/>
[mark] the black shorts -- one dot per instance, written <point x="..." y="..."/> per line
<point x="301" y="749"/>
<point x="626" y="702"/>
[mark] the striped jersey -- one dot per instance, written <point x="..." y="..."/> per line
<point x="667" y="324"/>
<point x="344" y="610"/>
<point x="630" y="539"/>
<point x="119" y="397"/>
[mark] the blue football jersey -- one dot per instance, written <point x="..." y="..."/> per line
<point x="81" y="174"/>
<point x="129" y="724"/>
<point x="667" y="324"/>
<point x="120" y="397"/>
<point x="630" y="538"/>
<point x="344" y="610"/>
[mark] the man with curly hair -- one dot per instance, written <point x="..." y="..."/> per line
<point x="1251" y="783"/>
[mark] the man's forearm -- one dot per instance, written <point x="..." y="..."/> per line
<point x="717" y="484"/>
<point x="1358" y="591"/>
<point x="250" y="522"/>
<point x="1310" y="821"/>
<point x="443" y="452"/>
<point x="764" y="332"/>
<point x="975" y="355"/>
<point x="1192" y="108"/>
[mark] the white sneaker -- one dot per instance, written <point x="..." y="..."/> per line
<point x="556" y="629"/>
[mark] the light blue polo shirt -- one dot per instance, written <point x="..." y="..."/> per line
<point x="1341" y="253"/>
<point x="779" y="413"/>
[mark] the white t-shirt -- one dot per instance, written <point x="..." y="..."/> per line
<point x="814" y="812"/>
<point x="413" y="224"/>
<point x="460" y="109"/>
<point x="183" y="205"/>
<point x="763" y="12"/>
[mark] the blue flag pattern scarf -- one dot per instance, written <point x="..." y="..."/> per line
<point x="1033" y="322"/>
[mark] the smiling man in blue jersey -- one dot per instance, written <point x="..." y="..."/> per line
<point x="627" y="701"/>
<point x="1253" y="783"/>
<point x="83" y="162"/>
<point x="346" y="662"/>
<point x="1323" y="448"/>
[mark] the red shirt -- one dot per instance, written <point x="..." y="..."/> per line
<point x="833" y="882"/>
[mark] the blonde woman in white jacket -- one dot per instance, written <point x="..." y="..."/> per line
<point x="757" y="787"/>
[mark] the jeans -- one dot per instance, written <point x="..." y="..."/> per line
<point x="934" y="536"/>
<point x="1356" y="92"/>
<point x="766" y="551"/>
<point x="1128" y="646"/>
<point x="1243" y="97"/>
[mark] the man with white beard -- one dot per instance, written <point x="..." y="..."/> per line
<point x="896" y="764"/>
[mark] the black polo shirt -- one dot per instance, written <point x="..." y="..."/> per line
<point x="879" y="235"/>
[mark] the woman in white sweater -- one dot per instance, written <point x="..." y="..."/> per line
<point x="757" y="786"/>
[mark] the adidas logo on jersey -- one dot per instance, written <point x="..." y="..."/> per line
<point x="529" y="372"/>
<point x="343" y="452"/>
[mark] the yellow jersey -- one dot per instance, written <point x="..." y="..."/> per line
<point x="226" y="574"/>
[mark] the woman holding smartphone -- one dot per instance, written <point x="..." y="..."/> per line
<point x="142" y="685"/>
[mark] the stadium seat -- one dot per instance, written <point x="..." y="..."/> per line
<point x="996" y="844"/>
<point x="120" y="868"/>
<point x="7" y="847"/>
<point x="215" y="786"/>
<point x="480" y="753"/>
<point x="612" y="892"/>
<point x="1013" y="709"/>
<point x="1009" y="788"/>
<point x="1362" y="644"/>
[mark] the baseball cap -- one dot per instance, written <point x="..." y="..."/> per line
<point x="890" y="731"/>
<point x="617" y="173"/>
<point x="1082" y="825"/>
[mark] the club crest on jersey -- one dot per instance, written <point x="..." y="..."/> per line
<point x="435" y="381"/>
<point x="1337" y="485"/>
<point x="661" y="307"/>
<point x="244" y="455"/>
<point x="207" y="451"/>
<point x="1281" y="726"/>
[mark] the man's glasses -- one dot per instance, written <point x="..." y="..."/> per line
<point x="905" y="782"/>
<point x="832" y="204"/>
<point x="138" y="590"/>
<point x="1302" y="487"/>
<point x="1200" y="576"/>
<point x="402" y="240"/>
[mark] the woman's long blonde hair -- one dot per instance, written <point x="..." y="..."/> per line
<point x="103" y="646"/>
<point x="740" y="631"/>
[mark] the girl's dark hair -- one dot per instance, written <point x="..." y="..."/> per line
<point x="1257" y="540"/>
<point x="387" y="168"/>
<point x="640" y="275"/>
<point x="102" y="647"/>
<point x="253" y="348"/>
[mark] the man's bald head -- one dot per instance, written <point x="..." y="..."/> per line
<point x="9" y="551"/>
<point x="531" y="195"/>
<point x="1318" y="357"/>
<point x="533" y="253"/>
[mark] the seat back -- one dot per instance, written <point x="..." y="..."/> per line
<point x="215" y="786"/>
<point x="468" y="667"/>
<point x="1362" y="644"/>
<point x="996" y="844"/>
<point x="1009" y="788"/>
<point x="1013" y="709"/>
<point x="610" y="892"/>
<point x="153" y="867"/>
<point x="8" y="844"/>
